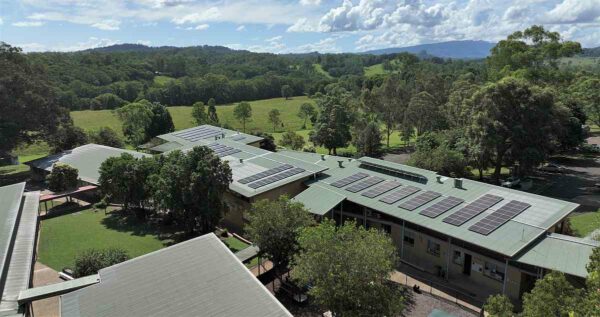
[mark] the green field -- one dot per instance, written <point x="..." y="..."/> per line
<point x="320" y="70"/>
<point x="91" y="120"/>
<point x="584" y="223"/>
<point x="373" y="70"/>
<point x="63" y="237"/>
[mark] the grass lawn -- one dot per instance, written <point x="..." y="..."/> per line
<point x="236" y="245"/>
<point x="91" y="120"/>
<point x="584" y="223"/>
<point x="373" y="70"/>
<point x="63" y="237"/>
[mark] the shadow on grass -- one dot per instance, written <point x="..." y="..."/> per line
<point x="122" y="221"/>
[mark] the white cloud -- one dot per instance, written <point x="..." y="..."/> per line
<point x="24" y="24"/>
<point x="575" y="11"/>
<point x="327" y="45"/>
<point x="310" y="2"/>
<point x="366" y="15"/>
<point x="201" y="27"/>
<point x="1" y="22"/>
<point x="32" y="47"/>
<point x="274" y="39"/>
<point x="92" y="42"/>
<point x="240" y="28"/>
<point x="144" y="42"/>
<point x="304" y="25"/>
<point x="208" y="15"/>
<point x="107" y="25"/>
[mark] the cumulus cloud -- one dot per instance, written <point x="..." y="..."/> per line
<point x="327" y="45"/>
<point x="92" y="42"/>
<point x="304" y="25"/>
<point x="201" y="27"/>
<point x="24" y="24"/>
<point x="366" y="15"/>
<point x="310" y="2"/>
<point x="240" y="28"/>
<point x="208" y="15"/>
<point x="575" y="11"/>
<point x="107" y="25"/>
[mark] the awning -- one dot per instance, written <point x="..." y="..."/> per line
<point x="560" y="253"/>
<point x="319" y="200"/>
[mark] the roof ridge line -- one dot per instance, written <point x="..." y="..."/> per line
<point x="578" y="240"/>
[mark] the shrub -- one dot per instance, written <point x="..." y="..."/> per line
<point x="91" y="261"/>
<point x="63" y="177"/>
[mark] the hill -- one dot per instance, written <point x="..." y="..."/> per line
<point x="452" y="49"/>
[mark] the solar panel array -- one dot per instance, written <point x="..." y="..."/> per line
<point x="222" y="150"/>
<point x="419" y="200"/>
<point x="473" y="209"/>
<point x="380" y="189"/>
<point x="197" y="133"/>
<point x="276" y="177"/>
<point x="264" y="174"/>
<point x="365" y="184"/>
<point x="349" y="180"/>
<point x="441" y="207"/>
<point x="499" y="217"/>
<point x="399" y="194"/>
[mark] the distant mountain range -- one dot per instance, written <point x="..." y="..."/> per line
<point x="451" y="49"/>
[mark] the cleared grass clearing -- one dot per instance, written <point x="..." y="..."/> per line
<point x="585" y="223"/>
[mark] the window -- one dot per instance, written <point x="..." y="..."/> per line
<point x="458" y="258"/>
<point x="433" y="248"/>
<point x="494" y="271"/>
<point x="409" y="238"/>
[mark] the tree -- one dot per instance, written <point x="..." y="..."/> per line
<point x="389" y="102"/>
<point x="199" y="113"/>
<point x="436" y="152"/>
<point x="144" y="120"/>
<point x="190" y="186"/>
<point x="292" y="140"/>
<point x="586" y="91"/>
<point x="109" y="101"/>
<point x="513" y="119"/>
<point x="552" y="296"/>
<point x="67" y="137"/>
<point x="534" y="50"/>
<point x="422" y="114"/>
<point x="348" y="269"/>
<point x="268" y="142"/>
<point x="91" y="261"/>
<point x="30" y="110"/>
<point x="499" y="306"/>
<point x="275" y="118"/>
<point x="368" y="142"/>
<point x="307" y="111"/>
<point x="243" y="113"/>
<point x="213" y="118"/>
<point x="286" y="91"/>
<point x="129" y="180"/>
<point x="455" y="111"/>
<point x="106" y="136"/>
<point x="274" y="226"/>
<point x="336" y="115"/>
<point x="62" y="178"/>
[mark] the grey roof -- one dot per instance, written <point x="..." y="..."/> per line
<point x="319" y="200"/>
<point x="87" y="159"/>
<point x="508" y="240"/>
<point x="198" y="277"/>
<point x="560" y="253"/>
<point x="10" y="203"/>
<point x="19" y="270"/>
<point x="51" y="290"/>
<point x="176" y="137"/>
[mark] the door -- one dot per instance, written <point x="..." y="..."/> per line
<point x="467" y="264"/>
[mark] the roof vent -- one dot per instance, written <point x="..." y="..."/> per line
<point x="439" y="179"/>
<point x="341" y="163"/>
<point x="323" y="157"/>
<point x="458" y="182"/>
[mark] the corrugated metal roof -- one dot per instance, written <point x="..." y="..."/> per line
<point x="19" y="270"/>
<point x="87" y="159"/>
<point x="52" y="290"/>
<point x="561" y="253"/>
<point x="10" y="203"/>
<point x="235" y="136"/>
<point x="319" y="200"/>
<point x="247" y="253"/>
<point x="508" y="240"/>
<point x="199" y="277"/>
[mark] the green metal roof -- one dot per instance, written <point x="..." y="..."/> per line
<point x="18" y="277"/>
<point x="169" y="146"/>
<point x="52" y="290"/>
<point x="561" y="253"/>
<point x="235" y="136"/>
<point x="508" y="240"/>
<point x="10" y="205"/>
<point x="198" y="277"/>
<point x="87" y="159"/>
<point x="319" y="200"/>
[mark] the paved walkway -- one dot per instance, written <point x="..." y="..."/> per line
<point x="44" y="275"/>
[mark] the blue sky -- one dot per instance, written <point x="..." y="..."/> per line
<point x="286" y="26"/>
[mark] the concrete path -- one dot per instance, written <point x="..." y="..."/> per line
<point x="44" y="275"/>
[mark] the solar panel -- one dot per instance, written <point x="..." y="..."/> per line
<point x="473" y="209"/>
<point x="197" y="133"/>
<point x="499" y="217"/>
<point x="349" y="180"/>
<point x="399" y="194"/>
<point x="419" y="200"/>
<point x="264" y="174"/>
<point x="365" y="184"/>
<point x="276" y="177"/>
<point x="441" y="207"/>
<point x="228" y="152"/>
<point x="214" y="146"/>
<point x="380" y="189"/>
